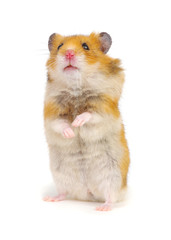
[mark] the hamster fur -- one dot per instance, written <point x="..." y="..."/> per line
<point x="89" y="156"/>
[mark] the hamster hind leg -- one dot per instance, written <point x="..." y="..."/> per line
<point x="105" y="186"/>
<point x="109" y="199"/>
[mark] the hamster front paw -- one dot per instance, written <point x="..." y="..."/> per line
<point x="62" y="127"/>
<point x="81" y="119"/>
<point x="68" y="133"/>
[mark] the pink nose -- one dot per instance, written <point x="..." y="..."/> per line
<point x="70" y="54"/>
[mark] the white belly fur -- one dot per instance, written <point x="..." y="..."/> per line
<point x="89" y="161"/>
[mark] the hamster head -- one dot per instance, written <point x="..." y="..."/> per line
<point x="78" y="59"/>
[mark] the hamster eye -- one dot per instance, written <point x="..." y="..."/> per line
<point x="60" y="46"/>
<point x="85" y="46"/>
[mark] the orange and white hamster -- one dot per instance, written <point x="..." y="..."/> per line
<point x="89" y="157"/>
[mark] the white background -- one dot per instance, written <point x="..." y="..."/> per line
<point x="141" y="39"/>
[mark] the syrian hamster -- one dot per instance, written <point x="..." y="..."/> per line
<point x="89" y="156"/>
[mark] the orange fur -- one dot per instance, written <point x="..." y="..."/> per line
<point x="50" y="110"/>
<point x="104" y="105"/>
<point x="53" y="111"/>
<point x="51" y="63"/>
<point x="110" y="106"/>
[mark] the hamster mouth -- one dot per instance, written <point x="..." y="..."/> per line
<point x="70" y="67"/>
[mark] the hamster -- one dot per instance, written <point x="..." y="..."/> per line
<point x="89" y="156"/>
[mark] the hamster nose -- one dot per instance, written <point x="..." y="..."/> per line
<point x="70" y="54"/>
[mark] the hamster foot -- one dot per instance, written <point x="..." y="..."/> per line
<point x="104" y="207"/>
<point x="58" y="198"/>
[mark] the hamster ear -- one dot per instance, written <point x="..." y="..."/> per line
<point x="106" y="41"/>
<point x="50" y="42"/>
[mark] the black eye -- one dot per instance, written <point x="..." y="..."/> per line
<point x="60" y="46"/>
<point x="85" y="46"/>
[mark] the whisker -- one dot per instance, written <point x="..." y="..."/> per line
<point x="51" y="64"/>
